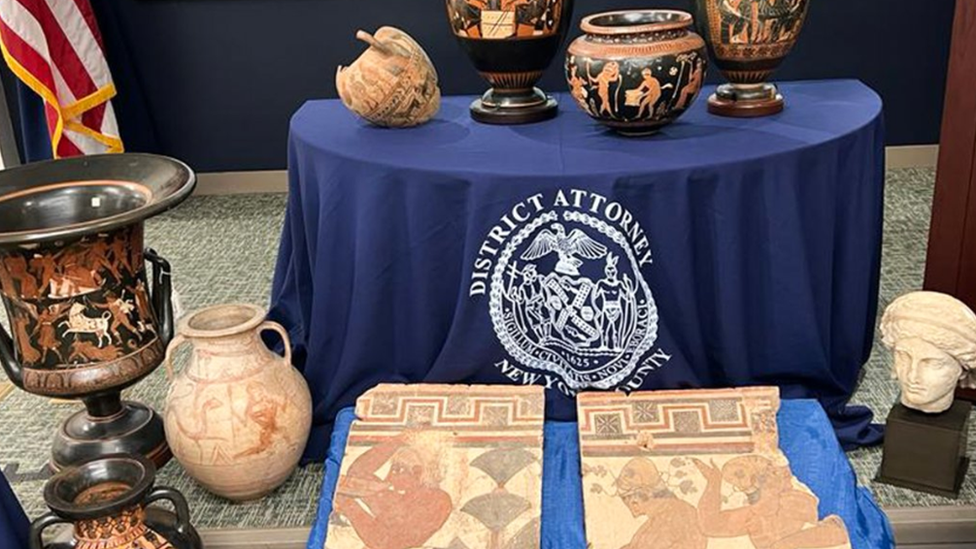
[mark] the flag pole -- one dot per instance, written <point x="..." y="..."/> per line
<point x="9" y="151"/>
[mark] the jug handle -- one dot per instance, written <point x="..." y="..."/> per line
<point x="275" y="327"/>
<point x="39" y="525"/>
<point x="177" y="340"/>
<point x="179" y="503"/>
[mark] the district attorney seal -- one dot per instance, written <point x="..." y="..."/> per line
<point x="567" y="297"/>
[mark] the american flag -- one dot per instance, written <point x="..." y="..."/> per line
<point x="55" y="47"/>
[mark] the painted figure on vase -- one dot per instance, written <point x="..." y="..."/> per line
<point x="646" y="95"/>
<point x="671" y="522"/>
<point x="577" y="87"/>
<point x="74" y="304"/>
<point x="609" y="74"/>
<point x="262" y="410"/>
<point x="500" y="19"/>
<point x="401" y="510"/>
<point x="933" y="338"/>
<point x="760" y="21"/>
<point x="691" y="89"/>
<point x="777" y="516"/>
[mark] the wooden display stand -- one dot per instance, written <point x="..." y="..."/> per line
<point x="951" y="263"/>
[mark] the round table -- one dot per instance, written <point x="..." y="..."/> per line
<point x="720" y="252"/>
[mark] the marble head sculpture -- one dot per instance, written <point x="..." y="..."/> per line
<point x="933" y="338"/>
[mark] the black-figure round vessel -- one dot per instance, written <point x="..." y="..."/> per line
<point x="748" y="39"/>
<point x="636" y="70"/>
<point x="86" y="320"/>
<point x="511" y="43"/>
<point x="107" y="501"/>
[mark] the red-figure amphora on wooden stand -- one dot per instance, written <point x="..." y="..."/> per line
<point x="748" y="39"/>
<point x="87" y="321"/>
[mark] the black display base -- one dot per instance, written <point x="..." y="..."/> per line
<point x="507" y="107"/>
<point x="926" y="452"/>
<point x="132" y="428"/>
<point x="746" y="102"/>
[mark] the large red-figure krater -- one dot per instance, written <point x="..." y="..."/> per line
<point x="86" y="320"/>
<point x="748" y="39"/>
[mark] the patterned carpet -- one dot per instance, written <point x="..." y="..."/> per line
<point x="223" y="250"/>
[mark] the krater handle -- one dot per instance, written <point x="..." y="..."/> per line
<point x="9" y="360"/>
<point x="162" y="293"/>
<point x="275" y="327"/>
<point x="179" y="503"/>
<point x="38" y="527"/>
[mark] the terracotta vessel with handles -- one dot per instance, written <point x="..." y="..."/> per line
<point x="393" y="83"/>
<point x="109" y="501"/>
<point x="238" y="416"/>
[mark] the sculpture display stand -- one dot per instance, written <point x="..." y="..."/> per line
<point x="441" y="466"/>
<point x="694" y="469"/>
<point x="74" y="282"/>
<point x="926" y="452"/>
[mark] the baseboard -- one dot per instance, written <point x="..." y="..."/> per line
<point x="271" y="538"/>
<point x="915" y="528"/>
<point x="276" y="181"/>
<point x="930" y="527"/>
<point x="912" y="156"/>
<point x="222" y="183"/>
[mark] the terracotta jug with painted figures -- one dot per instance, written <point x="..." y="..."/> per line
<point x="238" y="415"/>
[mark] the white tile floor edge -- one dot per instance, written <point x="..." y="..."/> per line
<point x="915" y="528"/>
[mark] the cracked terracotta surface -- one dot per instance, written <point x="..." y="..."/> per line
<point x="441" y="466"/>
<point x="696" y="469"/>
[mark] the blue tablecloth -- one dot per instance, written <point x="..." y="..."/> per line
<point x="721" y="252"/>
<point x="13" y="521"/>
<point x="805" y="437"/>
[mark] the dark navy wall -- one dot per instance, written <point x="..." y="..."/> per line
<point x="220" y="78"/>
